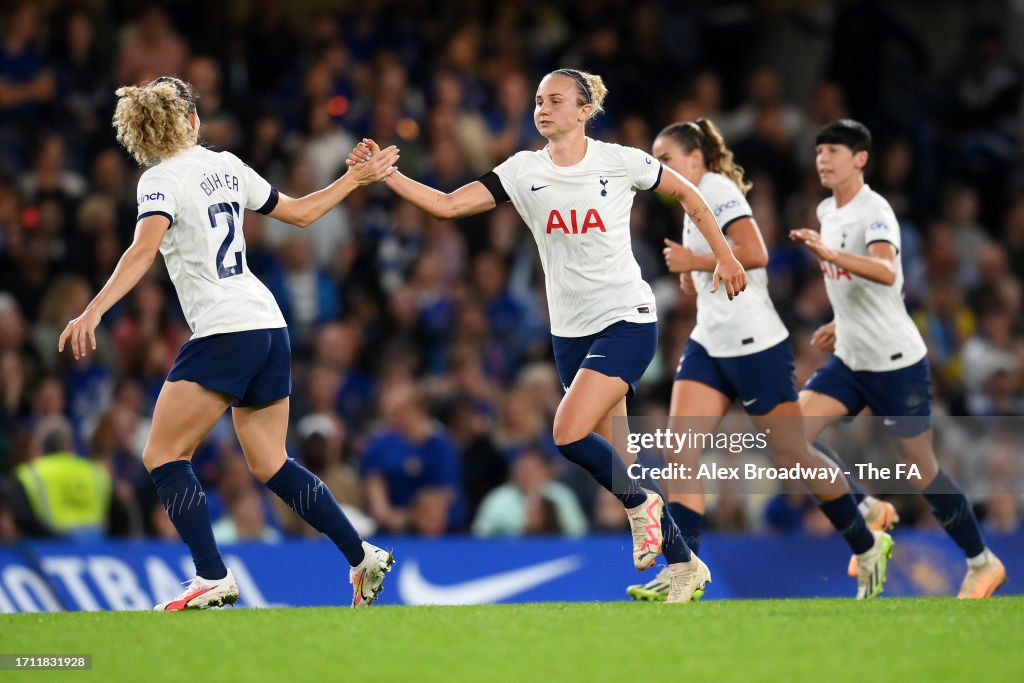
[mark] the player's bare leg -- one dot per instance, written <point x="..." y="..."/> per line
<point x="820" y="412"/>
<point x="185" y="413"/>
<point x="262" y="431"/>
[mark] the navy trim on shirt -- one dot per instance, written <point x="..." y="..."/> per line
<point x="271" y="202"/>
<point x="881" y="239"/>
<point x="169" y="217"/>
<point x="733" y="220"/>
<point x="492" y="182"/>
<point x="661" y="168"/>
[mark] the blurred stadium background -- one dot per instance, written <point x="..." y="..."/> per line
<point x="423" y="379"/>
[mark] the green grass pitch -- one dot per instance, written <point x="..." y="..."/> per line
<point x="770" y="640"/>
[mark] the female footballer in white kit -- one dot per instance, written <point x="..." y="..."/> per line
<point x="191" y="204"/>
<point x="739" y="350"/>
<point x="575" y="196"/>
<point x="880" y="359"/>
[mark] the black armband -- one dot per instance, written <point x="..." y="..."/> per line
<point x="492" y="182"/>
<point x="271" y="202"/>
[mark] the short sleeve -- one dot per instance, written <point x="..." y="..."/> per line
<point x="157" y="195"/>
<point x="507" y="171"/>
<point x="881" y="228"/>
<point x="643" y="170"/>
<point x="726" y="201"/>
<point x="260" y="195"/>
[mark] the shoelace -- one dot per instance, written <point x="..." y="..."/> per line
<point x="188" y="587"/>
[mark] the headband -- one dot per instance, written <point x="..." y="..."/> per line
<point x="583" y="86"/>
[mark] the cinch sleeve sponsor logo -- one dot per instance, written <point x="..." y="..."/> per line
<point x="877" y="226"/>
<point x="731" y="204"/>
<point x="152" y="197"/>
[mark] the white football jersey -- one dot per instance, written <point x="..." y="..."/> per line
<point x="874" y="332"/>
<point x="579" y="217"/>
<point x="204" y="194"/>
<point x="748" y="323"/>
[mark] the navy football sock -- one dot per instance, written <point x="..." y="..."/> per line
<point x="314" y="502"/>
<point x="954" y="513"/>
<point x="855" y="490"/>
<point x="674" y="547"/>
<point x="690" y="523"/>
<point x="847" y="520"/>
<point x="598" y="457"/>
<point x="185" y="502"/>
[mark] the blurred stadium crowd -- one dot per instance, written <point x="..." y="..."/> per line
<point x="424" y="386"/>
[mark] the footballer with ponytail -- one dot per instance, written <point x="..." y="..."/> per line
<point x="702" y="135"/>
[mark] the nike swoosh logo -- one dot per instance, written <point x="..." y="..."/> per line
<point x="647" y="159"/>
<point x="594" y="355"/>
<point x="533" y="188"/>
<point x="888" y="423"/>
<point x="416" y="590"/>
<point x="749" y="403"/>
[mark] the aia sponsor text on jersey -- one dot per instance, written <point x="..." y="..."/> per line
<point x="591" y="221"/>
<point x="833" y="272"/>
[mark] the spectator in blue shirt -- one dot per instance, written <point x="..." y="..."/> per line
<point x="412" y="464"/>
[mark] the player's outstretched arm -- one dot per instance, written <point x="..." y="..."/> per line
<point x="878" y="266"/>
<point x="747" y="245"/>
<point x="728" y="269"/>
<point x="468" y="200"/>
<point x="302" y="211"/>
<point x="136" y="260"/>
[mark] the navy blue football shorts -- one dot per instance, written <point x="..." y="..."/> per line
<point x="254" y="367"/>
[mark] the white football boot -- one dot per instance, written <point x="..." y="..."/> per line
<point x="645" y="524"/>
<point x="367" y="578"/>
<point x="880" y="516"/>
<point x="688" y="580"/>
<point x="203" y="594"/>
<point x="873" y="565"/>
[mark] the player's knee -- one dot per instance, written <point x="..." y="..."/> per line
<point x="154" y="456"/>
<point x="566" y="430"/>
<point x="151" y="460"/>
<point x="264" y="470"/>
<point x="790" y="456"/>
